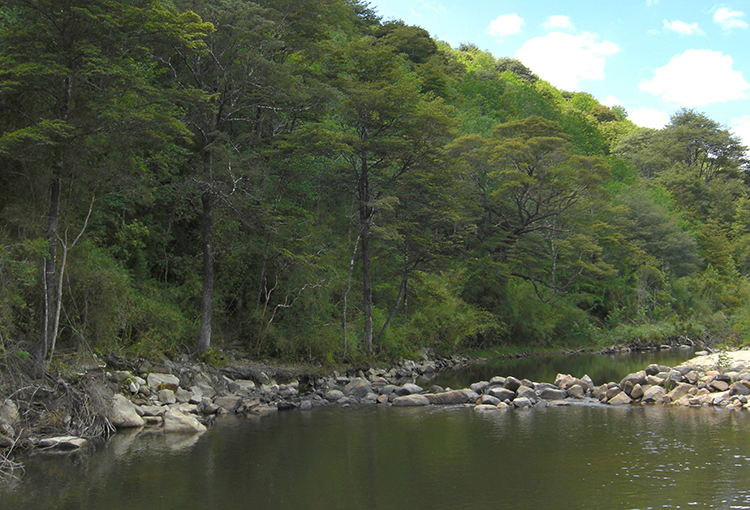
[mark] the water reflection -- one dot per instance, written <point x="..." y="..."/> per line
<point x="380" y="458"/>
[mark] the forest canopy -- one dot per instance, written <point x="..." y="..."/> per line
<point x="301" y="179"/>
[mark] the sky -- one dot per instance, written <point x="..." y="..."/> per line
<point x="652" y="57"/>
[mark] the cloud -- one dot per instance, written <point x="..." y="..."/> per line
<point x="741" y="127"/>
<point x="683" y="28"/>
<point x="729" y="20"/>
<point x="649" y="117"/>
<point x="565" y="59"/>
<point x="697" y="78"/>
<point x="558" y="23"/>
<point x="507" y="24"/>
<point x="611" y="101"/>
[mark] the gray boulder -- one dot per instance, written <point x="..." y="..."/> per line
<point x="620" y="399"/>
<point x="159" y="381"/>
<point x="553" y="394"/>
<point x="529" y="393"/>
<point x="358" y="388"/>
<point x="654" y="395"/>
<point x="512" y="384"/>
<point x="454" y="397"/>
<point x="522" y="403"/>
<point x="124" y="414"/>
<point x="179" y="422"/>
<point x="412" y="400"/>
<point x="502" y="393"/>
<point x="488" y="400"/>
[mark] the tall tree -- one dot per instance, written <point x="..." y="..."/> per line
<point x="389" y="129"/>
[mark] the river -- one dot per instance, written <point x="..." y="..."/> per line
<point x="582" y="456"/>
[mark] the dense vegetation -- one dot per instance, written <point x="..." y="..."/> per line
<point x="307" y="181"/>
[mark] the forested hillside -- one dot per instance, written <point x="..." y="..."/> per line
<point x="303" y="180"/>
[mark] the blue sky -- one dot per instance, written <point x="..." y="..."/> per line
<point x="650" y="56"/>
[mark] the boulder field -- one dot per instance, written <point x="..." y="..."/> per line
<point x="186" y="398"/>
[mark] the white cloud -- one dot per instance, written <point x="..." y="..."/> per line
<point x="565" y="59"/>
<point x="741" y="128"/>
<point x="649" y="117"/>
<point x="729" y="20"/>
<point x="611" y="101"/>
<point x="697" y="78"/>
<point x="683" y="28"/>
<point x="507" y="24"/>
<point x="558" y="23"/>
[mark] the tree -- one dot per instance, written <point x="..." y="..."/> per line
<point x="252" y="85"/>
<point x="389" y="129"/>
<point x="78" y="76"/>
<point x="531" y="189"/>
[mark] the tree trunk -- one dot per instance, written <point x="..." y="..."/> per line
<point x="50" y="262"/>
<point x="204" y="340"/>
<point x="401" y="291"/>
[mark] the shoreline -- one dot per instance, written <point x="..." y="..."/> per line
<point x="185" y="398"/>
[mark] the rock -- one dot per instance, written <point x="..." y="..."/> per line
<point x="633" y="379"/>
<point x="740" y="388"/>
<point x="178" y="422"/>
<point x="680" y="391"/>
<point x="652" y="369"/>
<point x="305" y="405"/>
<point x="455" y="397"/>
<point x="479" y="387"/>
<point x="636" y="392"/>
<point x="576" y="391"/>
<point x="588" y="381"/>
<point x="498" y="379"/>
<point x="184" y="396"/>
<point x="62" y="443"/>
<point x="153" y="410"/>
<point x="512" y="384"/>
<point x="488" y="400"/>
<point x="692" y="377"/>
<point x="358" y="388"/>
<point x="229" y="402"/>
<point x="522" y="403"/>
<point x="167" y="396"/>
<point x="412" y="388"/>
<point x="123" y="413"/>
<point x="654" y="395"/>
<point x="675" y="375"/>
<point x="718" y="385"/>
<point x="502" y="394"/>
<point x="9" y="412"/>
<point x="382" y="399"/>
<point x="241" y="386"/>
<point x="550" y="394"/>
<point x="412" y="400"/>
<point x="620" y="399"/>
<point x="159" y="381"/>
<point x="528" y="393"/>
<point x="334" y="395"/>
<point x="612" y="392"/>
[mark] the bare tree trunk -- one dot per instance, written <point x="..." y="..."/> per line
<point x="204" y="340"/>
<point x="50" y="263"/>
<point x="263" y="269"/>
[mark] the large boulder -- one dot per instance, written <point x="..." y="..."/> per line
<point x="620" y="399"/>
<point x="634" y="378"/>
<point x="502" y="393"/>
<point x="124" y="414"/>
<point x="553" y="394"/>
<point x="512" y="384"/>
<point x="680" y="391"/>
<point x="9" y="413"/>
<point x="454" y="397"/>
<point x="654" y="395"/>
<point x="413" y="400"/>
<point x="529" y="393"/>
<point x="358" y="388"/>
<point x="159" y="381"/>
<point x="61" y="444"/>
<point x="179" y="422"/>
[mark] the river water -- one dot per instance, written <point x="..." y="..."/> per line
<point x="582" y="456"/>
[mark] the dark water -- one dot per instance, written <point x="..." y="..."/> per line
<point x="578" y="457"/>
<point x="544" y="368"/>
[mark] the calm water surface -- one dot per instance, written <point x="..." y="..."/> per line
<point x="583" y="456"/>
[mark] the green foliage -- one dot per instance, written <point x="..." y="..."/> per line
<point x="435" y="196"/>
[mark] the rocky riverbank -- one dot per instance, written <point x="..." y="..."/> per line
<point x="188" y="397"/>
